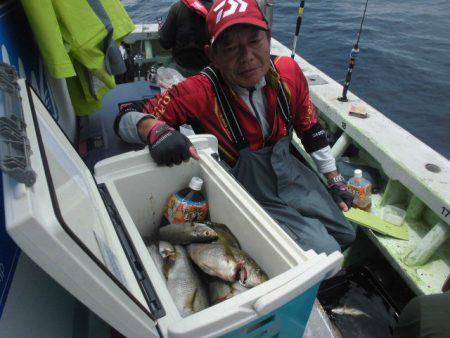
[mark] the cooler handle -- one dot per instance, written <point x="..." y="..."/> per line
<point x="295" y="287"/>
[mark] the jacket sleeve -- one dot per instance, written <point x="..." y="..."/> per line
<point x="296" y="87"/>
<point x="44" y="23"/>
<point x="304" y="116"/>
<point x="306" y="124"/>
<point x="185" y="101"/>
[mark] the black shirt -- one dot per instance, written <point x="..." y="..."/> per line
<point x="186" y="33"/>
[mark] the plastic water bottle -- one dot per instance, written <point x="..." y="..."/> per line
<point x="361" y="190"/>
<point x="152" y="74"/>
<point x="166" y="77"/>
<point x="187" y="205"/>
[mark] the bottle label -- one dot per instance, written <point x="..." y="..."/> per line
<point x="180" y="210"/>
<point x="362" y="194"/>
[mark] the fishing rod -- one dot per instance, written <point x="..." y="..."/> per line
<point x="297" y="27"/>
<point x="353" y="55"/>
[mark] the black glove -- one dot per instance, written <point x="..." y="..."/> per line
<point x="167" y="146"/>
<point x="338" y="190"/>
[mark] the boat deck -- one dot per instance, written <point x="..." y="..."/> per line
<point x="418" y="179"/>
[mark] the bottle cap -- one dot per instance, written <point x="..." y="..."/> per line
<point x="196" y="183"/>
<point x="358" y="173"/>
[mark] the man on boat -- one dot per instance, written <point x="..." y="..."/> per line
<point x="185" y="32"/>
<point x="252" y="103"/>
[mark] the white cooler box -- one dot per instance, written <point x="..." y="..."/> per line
<point x="86" y="232"/>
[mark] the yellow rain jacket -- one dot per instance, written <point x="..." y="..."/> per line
<point x="78" y="40"/>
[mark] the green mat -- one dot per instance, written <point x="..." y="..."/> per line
<point x="377" y="224"/>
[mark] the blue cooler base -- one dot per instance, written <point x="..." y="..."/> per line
<point x="288" y="321"/>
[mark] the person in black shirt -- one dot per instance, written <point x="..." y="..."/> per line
<point x="185" y="32"/>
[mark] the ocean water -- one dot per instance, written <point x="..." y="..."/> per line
<point x="403" y="68"/>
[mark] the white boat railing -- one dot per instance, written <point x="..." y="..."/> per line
<point x="419" y="178"/>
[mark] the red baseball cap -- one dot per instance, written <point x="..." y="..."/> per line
<point x="226" y="13"/>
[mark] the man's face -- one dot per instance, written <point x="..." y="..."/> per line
<point x="242" y="55"/>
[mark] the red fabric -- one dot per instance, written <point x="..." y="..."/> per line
<point x="226" y="13"/>
<point x="195" y="99"/>
<point x="158" y="129"/>
<point x="197" y="6"/>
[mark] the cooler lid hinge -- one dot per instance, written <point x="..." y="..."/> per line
<point x="15" y="146"/>
<point x="133" y="257"/>
<point x="224" y="165"/>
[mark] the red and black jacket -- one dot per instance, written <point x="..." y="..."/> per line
<point x="194" y="101"/>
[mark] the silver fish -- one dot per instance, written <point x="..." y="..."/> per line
<point x="225" y="235"/>
<point x="348" y="311"/>
<point x="215" y="260"/>
<point x="185" y="285"/>
<point x="168" y="254"/>
<point x="156" y="257"/>
<point x="228" y="263"/>
<point x="219" y="290"/>
<point x="251" y="273"/>
<point x="185" y="233"/>
<point x="166" y="250"/>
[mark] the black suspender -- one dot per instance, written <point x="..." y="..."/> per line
<point x="282" y="101"/>
<point x="230" y="118"/>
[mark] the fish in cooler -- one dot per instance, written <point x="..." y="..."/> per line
<point x="153" y="250"/>
<point x="166" y="249"/>
<point x="184" y="284"/>
<point x="214" y="249"/>
<point x="251" y="273"/>
<point x="220" y="290"/>
<point x="168" y="253"/>
<point x="228" y="263"/>
<point x="214" y="260"/>
<point x="185" y="233"/>
<point x="225" y="236"/>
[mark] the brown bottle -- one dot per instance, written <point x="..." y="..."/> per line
<point x="187" y="205"/>
<point x="361" y="190"/>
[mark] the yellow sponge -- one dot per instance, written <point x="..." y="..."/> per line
<point x="377" y="224"/>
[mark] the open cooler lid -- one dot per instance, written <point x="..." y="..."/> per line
<point x="56" y="214"/>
